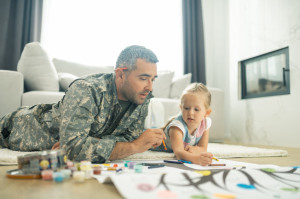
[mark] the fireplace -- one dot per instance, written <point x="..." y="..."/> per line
<point x="265" y="75"/>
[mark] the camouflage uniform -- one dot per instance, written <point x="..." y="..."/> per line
<point x="80" y="121"/>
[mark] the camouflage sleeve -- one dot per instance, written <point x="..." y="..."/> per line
<point x="137" y="127"/>
<point x="79" y="108"/>
<point x="134" y="130"/>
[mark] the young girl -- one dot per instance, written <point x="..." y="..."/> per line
<point x="187" y="134"/>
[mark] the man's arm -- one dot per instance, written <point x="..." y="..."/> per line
<point x="149" y="138"/>
<point x="78" y="111"/>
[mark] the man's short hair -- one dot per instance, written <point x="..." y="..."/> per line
<point x="129" y="55"/>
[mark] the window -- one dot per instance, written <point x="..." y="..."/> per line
<point x="265" y="75"/>
<point x="95" y="31"/>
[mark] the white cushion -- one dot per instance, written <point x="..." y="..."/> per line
<point x="78" y="69"/>
<point x="179" y="85"/>
<point x="156" y="116"/>
<point x="37" y="68"/>
<point x="161" y="85"/>
<point x="65" y="79"/>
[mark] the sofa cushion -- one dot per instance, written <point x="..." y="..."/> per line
<point x="77" y="69"/>
<point x="37" y="68"/>
<point x="65" y="79"/>
<point x="179" y="85"/>
<point x="156" y="114"/>
<point x="161" y="85"/>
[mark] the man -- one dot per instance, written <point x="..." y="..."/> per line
<point x="101" y="117"/>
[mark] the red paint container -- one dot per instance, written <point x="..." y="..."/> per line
<point x="97" y="170"/>
<point x="47" y="174"/>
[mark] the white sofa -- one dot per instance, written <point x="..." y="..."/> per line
<point x="37" y="81"/>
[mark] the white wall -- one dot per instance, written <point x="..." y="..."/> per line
<point x="256" y="27"/>
<point x="216" y="29"/>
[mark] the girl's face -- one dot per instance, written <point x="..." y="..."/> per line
<point x="193" y="110"/>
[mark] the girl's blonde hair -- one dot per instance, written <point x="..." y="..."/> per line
<point x="196" y="88"/>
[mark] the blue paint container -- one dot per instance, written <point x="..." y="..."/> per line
<point x="58" y="177"/>
<point x="138" y="168"/>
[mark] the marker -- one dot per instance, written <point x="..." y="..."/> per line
<point x="217" y="165"/>
<point x="156" y="166"/>
<point x="164" y="144"/>
<point x="152" y="164"/>
<point x="216" y="159"/>
<point x="173" y="161"/>
<point x="119" y="170"/>
<point x="184" y="161"/>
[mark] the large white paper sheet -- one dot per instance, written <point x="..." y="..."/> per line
<point x="235" y="180"/>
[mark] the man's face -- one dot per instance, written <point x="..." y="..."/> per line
<point x="138" y="83"/>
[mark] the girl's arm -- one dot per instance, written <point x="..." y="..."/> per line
<point x="202" y="144"/>
<point x="176" y="136"/>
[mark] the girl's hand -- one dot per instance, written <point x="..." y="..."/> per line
<point x="204" y="159"/>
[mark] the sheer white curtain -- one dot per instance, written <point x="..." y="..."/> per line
<point x="95" y="31"/>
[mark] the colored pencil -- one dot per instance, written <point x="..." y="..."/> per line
<point x="164" y="145"/>
<point x="157" y="166"/>
<point x="217" y="165"/>
<point x="184" y="161"/>
<point x="216" y="159"/>
<point x="173" y="161"/>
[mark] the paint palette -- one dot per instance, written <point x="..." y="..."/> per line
<point x="19" y="174"/>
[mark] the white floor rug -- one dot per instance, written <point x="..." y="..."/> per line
<point x="9" y="157"/>
<point x="219" y="150"/>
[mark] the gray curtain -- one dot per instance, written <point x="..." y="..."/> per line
<point x="20" y="23"/>
<point x="193" y="41"/>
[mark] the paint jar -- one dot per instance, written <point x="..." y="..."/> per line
<point x="70" y="164"/>
<point x="138" y="168"/>
<point x="47" y="174"/>
<point x="58" y="177"/>
<point x="96" y="170"/>
<point x="126" y="163"/>
<point x="116" y="165"/>
<point x="66" y="173"/>
<point x="86" y="167"/>
<point x="131" y="165"/>
<point x="78" y="176"/>
<point x="73" y="169"/>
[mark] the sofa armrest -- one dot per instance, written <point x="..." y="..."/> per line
<point x="11" y="89"/>
<point x="217" y="130"/>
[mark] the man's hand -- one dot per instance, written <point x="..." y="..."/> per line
<point x="55" y="146"/>
<point x="149" y="138"/>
